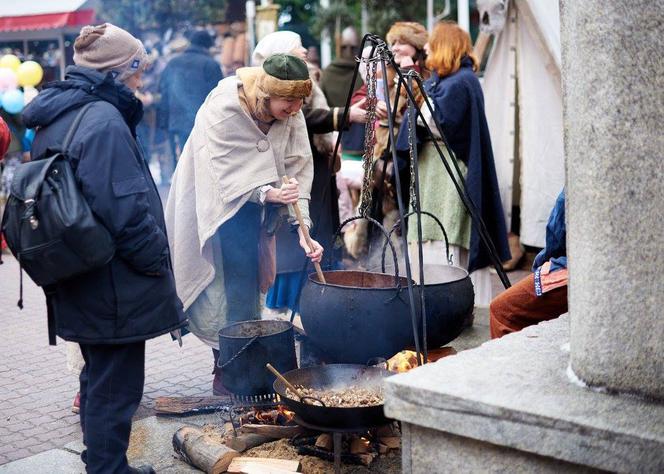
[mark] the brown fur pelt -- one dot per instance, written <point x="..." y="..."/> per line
<point x="274" y="86"/>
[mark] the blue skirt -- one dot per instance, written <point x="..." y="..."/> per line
<point x="284" y="293"/>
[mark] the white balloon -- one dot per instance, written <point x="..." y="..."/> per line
<point x="29" y="93"/>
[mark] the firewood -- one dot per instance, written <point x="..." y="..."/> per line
<point x="392" y="442"/>
<point x="184" y="405"/>
<point x="387" y="431"/>
<point x="366" y="459"/>
<point x="263" y="465"/>
<point x="382" y="449"/>
<point x="273" y="431"/>
<point x="324" y="441"/>
<point x="359" y="446"/>
<point x="202" y="450"/>
<point x="246" y="441"/>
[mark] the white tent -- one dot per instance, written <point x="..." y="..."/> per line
<point x="523" y="100"/>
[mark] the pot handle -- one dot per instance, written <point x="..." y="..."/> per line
<point x="387" y="242"/>
<point x="396" y="226"/>
<point x="238" y="353"/>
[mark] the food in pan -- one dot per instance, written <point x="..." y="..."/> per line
<point x="348" y="397"/>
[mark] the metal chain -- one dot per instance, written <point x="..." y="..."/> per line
<point x="415" y="205"/>
<point x="369" y="139"/>
<point x="239" y="353"/>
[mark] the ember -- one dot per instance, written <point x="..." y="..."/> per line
<point x="279" y="416"/>
<point x="348" y="397"/>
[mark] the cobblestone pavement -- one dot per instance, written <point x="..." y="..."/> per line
<point x="36" y="389"/>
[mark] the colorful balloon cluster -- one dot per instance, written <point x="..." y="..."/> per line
<point x="14" y="75"/>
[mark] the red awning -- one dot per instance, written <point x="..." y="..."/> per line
<point x="48" y="21"/>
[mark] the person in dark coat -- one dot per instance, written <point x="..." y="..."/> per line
<point x="458" y="102"/>
<point x="185" y="83"/>
<point x="112" y="310"/>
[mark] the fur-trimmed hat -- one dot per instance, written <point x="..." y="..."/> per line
<point x="408" y="32"/>
<point x="285" y="76"/>
<point x="108" y="48"/>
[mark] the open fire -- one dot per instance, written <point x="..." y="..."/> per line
<point x="407" y="360"/>
<point x="278" y="416"/>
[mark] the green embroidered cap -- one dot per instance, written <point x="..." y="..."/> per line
<point x="286" y="67"/>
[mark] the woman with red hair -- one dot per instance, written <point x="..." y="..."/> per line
<point x="458" y="105"/>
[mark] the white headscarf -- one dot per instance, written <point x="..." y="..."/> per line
<point x="279" y="42"/>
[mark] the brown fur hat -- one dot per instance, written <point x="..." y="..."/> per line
<point x="408" y="32"/>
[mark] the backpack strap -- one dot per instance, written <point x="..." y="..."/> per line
<point x="74" y="127"/>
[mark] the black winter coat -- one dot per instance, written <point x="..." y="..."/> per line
<point x="132" y="298"/>
<point x="184" y="84"/>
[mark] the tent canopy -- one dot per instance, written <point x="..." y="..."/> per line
<point x="523" y="98"/>
<point x="44" y="15"/>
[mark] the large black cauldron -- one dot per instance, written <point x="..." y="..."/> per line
<point x="449" y="301"/>
<point x="357" y="316"/>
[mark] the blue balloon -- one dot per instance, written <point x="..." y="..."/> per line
<point x="12" y="101"/>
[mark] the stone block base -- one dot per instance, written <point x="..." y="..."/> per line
<point x="510" y="405"/>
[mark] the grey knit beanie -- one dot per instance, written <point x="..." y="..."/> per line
<point x="110" y="49"/>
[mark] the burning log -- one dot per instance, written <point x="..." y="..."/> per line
<point x="202" y="450"/>
<point x="359" y="446"/>
<point x="279" y="416"/>
<point x="263" y="465"/>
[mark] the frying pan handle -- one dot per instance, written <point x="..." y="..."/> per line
<point x="312" y="398"/>
<point x="396" y="226"/>
<point x="387" y="242"/>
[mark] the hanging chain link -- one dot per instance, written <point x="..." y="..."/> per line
<point x="415" y="205"/>
<point x="369" y="137"/>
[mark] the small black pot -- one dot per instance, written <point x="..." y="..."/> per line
<point x="245" y="348"/>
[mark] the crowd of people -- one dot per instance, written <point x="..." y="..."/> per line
<point x="245" y="149"/>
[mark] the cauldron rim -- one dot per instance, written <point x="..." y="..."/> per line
<point x="286" y="324"/>
<point x="464" y="274"/>
<point x="313" y="278"/>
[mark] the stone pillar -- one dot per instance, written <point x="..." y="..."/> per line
<point x="613" y="98"/>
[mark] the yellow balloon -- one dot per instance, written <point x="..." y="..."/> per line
<point x="29" y="73"/>
<point x="10" y="61"/>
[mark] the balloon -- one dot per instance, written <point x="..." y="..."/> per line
<point x="29" y="93"/>
<point x="8" y="79"/>
<point x="10" y="61"/>
<point x="12" y="101"/>
<point x="30" y="73"/>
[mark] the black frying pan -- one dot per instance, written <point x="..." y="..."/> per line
<point x="335" y="376"/>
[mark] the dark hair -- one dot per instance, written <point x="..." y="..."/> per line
<point x="201" y="38"/>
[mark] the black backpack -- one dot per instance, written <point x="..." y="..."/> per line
<point x="48" y="224"/>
